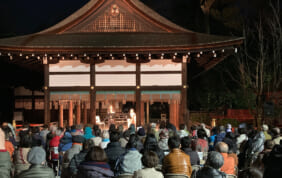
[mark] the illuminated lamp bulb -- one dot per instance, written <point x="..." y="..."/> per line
<point x="84" y="54"/>
<point x="32" y="54"/>
<point x="9" y="54"/>
<point x="58" y="55"/>
<point x="188" y="53"/>
<point x="38" y="57"/>
<point x="21" y="54"/>
<point x="175" y="54"/>
<point x="0" y="54"/>
<point x="214" y="55"/>
<point x="174" y="57"/>
<point x="26" y="57"/>
<point x="45" y="55"/>
<point x="201" y="52"/>
<point x="198" y="55"/>
<point x="100" y="58"/>
<point x="223" y="50"/>
<point x="98" y="54"/>
<point x="50" y="57"/>
<point x="63" y="57"/>
<point x="88" y="58"/>
<point x="213" y="51"/>
<point x="123" y="55"/>
<point x="111" y="54"/>
<point x="11" y="57"/>
<point x="235" y="50"/>
<point x="75" y="57"/>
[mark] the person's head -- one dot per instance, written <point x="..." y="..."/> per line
<point x="112" y="127"/>
<point x="45" y="127"/>
<point x="26" y="141"/>
<point x="162" y="125"/>
<point x="105" y="134"/>
<point x="221" y="128"/>
<point x="214" y="131"/>
<point x="174" y="142"/>
<point x="7" y="132"/>
<point x="242" y="130"/>
<point x="221" y="147"/>
<point x="193" y="127"/>
<point x="95" y="127"/>
<point x="264" y="127"/>
<point x="182" y="127"/>
<point x="88" y="144"/>
<point x="164" y="134"/>
<point x="35" y="130"/>
<point x="132" y="142"/>
<point x="97" y="154"/>
<point x="114" y="136"/>
<point x="120" y="129"/>
<point x="251" y="173"/>
<point x="201" y="133"/>
<point x="276" y="131"/>
<point x="36" y="155"/>
<point x="214" y="160"/>
<point x="68" y="129"/>
<point x="58" y="132"/>
<point x="151" y="142"/>
<point x="141" y="132"/>
<point x="79" y="127"/>
<point x="97" y="132"/>
<point x="186" y="142"/>
<point x="126" y="134"/>
<point x="202" y="126"/>
<point x="150" y="159"/>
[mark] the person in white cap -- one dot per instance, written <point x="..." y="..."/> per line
<point x="265" y="132"/>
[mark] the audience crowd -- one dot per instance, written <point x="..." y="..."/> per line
<point x="154" y="151"/>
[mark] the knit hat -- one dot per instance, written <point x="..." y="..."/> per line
<point x="78" y="139"/>
<point x="153" y="125"/>
<point x="141" y="131"/>
<point x="228" y="128"/>
<point x="36" y="155"/>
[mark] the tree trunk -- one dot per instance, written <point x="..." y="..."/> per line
<point x="259" y="112"/>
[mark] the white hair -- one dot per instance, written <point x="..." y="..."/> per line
<point x="265" y="127"/>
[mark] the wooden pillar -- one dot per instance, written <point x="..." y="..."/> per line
<point x="85" y="113"/>
<point x="70" y="113"/>
<point x="92" y="95"/>
<point x="142" y="114"/>
<point x="138" y="95"/>
<point x="61" y="114"/>
<point x="148" y="111"/>
<point x="183" y="105"/>
<point x="78" y="113"/>
<point x="46" y="95"/>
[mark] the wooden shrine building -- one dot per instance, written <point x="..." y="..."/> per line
<point x="111" y="52"/>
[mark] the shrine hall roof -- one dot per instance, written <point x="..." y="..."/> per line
<point x="115" y="25"/>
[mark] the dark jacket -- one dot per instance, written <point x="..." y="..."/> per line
<point x="37" y="171"/>
<point x="273" y="166"/>
<point x="219" y="137"/>
<point x="76" y="160"/>
<point x="113" y="151"/>
<point x="5" y="164"/>
<point x="65" y="142"/>
<point x="194" y="157"/>
<point x="208" y="172"/>
<point x="93" y="169"/>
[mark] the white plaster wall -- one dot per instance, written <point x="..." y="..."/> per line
<point x="69" y="80"/>
<point x="161" y="79"/>
<point x="115" y="80"/>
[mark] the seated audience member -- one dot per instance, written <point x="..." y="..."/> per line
<point x="186" y="147"/>
<point x="88" y="133"/>
<point x="211" y="167"/>
<point x="276" y="135"/>
<point x="124" y="139"/>
<point x="5" y="159"/>
<point x="114" y="149"/>
<point x="203" y="126"/>
<point x="20" y="158"/>
<point x="141" y="135"/>
<point x="220" y="136"/>
<point x="267" y="136"/>
<point x="242" y="137"/>
<point x="230" y="140"/>
<point x="273" y="166"/>
<point x="251" y="173"/>
<point x="151" y="144"/>
<point x="200" y="144"/>
<point x="79" y="158"/>
<point x="105" y="139"/>
<point x="44" y="133"/>
<point x="37" y="158"/>
<point x="229" y="162"/>
<point x="97" y="139"/>
<point x="211" y="139"/>
<point x="130" y="161"/>
<point x="150" y="160"/>
<point x="182" y="131"/>
<point x="9" y="145"/>
<point x="37" y="140"/>
<point x="163" y="141"/>
<point x="176" y="161"/>
<point x="95" y="165"/>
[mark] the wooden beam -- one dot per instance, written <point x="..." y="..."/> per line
<point x="46" y="95"/>
<point x="138" y="95"/>
<point x="92" y="95"/>
<point x="183" y="105"/>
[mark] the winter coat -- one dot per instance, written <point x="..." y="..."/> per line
<point x="75" y="149"/>
<point x="129" y="162"/>
<point x="92" y="169"/>
<point x="88" y="133"/>
<point x="65" y="142"/>
<point x="208" y="172"/>
<point x="97" y="141"/>
<point x="148" y="173"/>
<point x="37" y="140"/>
<point x="5" y="164"/>
<point x="273" y="166"/>
<point x="20" y="160"/>
<point x="76" y="160"/>
<point x="177" y="162"/>
<point x="194" y="157"/>
<point x="113" y="151"/>
<point x="54" y="147"/>
<point x="229" y="164"/>
<point x="37" y="171"/>
<point x="219" y="137"/>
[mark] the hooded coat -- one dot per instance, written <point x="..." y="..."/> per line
<point x="65" y="142"/>
<point x="88" y="133"/>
